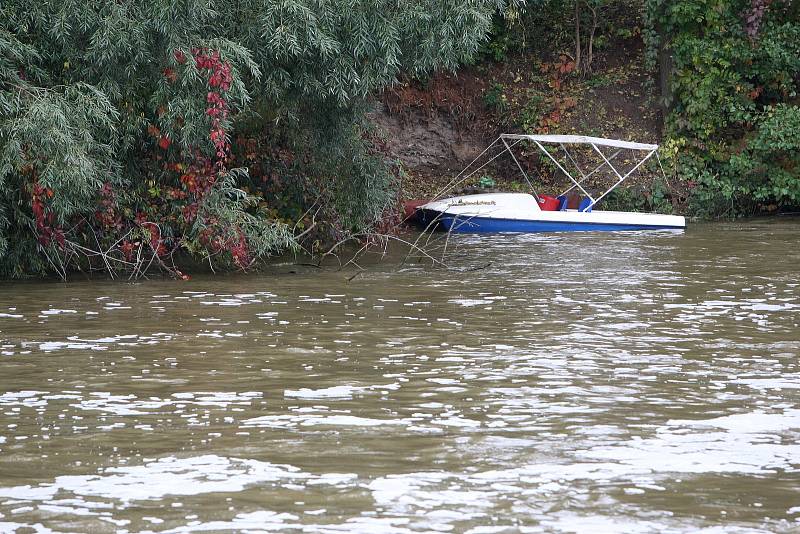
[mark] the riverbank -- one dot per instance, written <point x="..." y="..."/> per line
<point x="435" y="127"/>
<point x="218" y="152"/>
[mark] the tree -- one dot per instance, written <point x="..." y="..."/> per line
<point x="120" y="120"/>
<point x="587" y="21"/>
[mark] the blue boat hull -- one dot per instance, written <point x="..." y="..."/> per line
<point x="490" y="225"/>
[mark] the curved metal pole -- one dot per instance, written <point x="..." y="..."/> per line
<point x="455" y="181"/>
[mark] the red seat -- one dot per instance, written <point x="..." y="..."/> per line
<point x="548" y="203"/>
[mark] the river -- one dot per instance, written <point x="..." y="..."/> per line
<point x="625" y="382"/>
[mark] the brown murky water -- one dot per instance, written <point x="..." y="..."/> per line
<point x="580" y="383"/>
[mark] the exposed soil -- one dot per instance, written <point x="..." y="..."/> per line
<point x="427" y="142"/>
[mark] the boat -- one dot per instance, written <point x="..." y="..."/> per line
<point x="571" y="211"/>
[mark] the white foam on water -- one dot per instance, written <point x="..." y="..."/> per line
<point x="787" y="381"/>
<point x="176" y="477"/>
<point x="308" y="420"/>
<point x="729" y="444"/>
<point x="336" y="392"/>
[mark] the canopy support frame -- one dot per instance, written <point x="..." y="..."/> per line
<point x="460" y="178"/>
<point x="620" y="176"/>
<point x="508" y="148"/>
<point x="585" y="177"/>
<point x="562" y="140"/>
<point x="565" y="171"/>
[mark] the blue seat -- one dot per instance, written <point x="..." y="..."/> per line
<point x="584" y="205"/>
<point x="562" y="202"/>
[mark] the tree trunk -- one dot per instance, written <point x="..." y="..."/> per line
<point x="665" y="67"/>
<point x="590" y="53"/>
<point x="578" y="59"/>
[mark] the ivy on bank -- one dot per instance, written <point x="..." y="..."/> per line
<point x="732" y="75"/>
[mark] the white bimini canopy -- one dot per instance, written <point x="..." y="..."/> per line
<point x="581" y="140"/>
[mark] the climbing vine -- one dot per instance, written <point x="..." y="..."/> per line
<point x="732" y="76"/>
